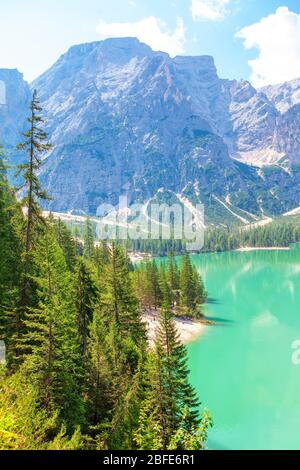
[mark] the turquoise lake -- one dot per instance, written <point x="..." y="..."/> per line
<point x="242" y="368"/>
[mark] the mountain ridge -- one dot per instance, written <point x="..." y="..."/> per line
<point x="124" y="118"/>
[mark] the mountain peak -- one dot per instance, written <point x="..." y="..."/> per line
<point x="129" y="46"/>
<point x="206" y="61"/>
<point x="285" y="95"/>
<point x="9" y="74"/>
<point x="123" y="118"/>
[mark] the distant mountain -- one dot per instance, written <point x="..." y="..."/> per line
<point x="284" y="96"/>
<point x="127" y="120"/>
<point x="14" y="102"/>
<point x="286" y="99"/>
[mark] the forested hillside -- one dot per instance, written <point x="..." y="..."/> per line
<point x="79" y="373"/>
<point x="123" y="118"/>
<point x="279" y="233"/>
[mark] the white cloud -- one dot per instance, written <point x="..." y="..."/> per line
<point x="213" y="10"/>
<point x="277" y="38"/>
<point x="151" y="30"/>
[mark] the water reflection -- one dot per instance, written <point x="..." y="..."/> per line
<point x="244" y="373"/>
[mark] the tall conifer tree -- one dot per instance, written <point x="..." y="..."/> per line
<point x="52" y="338"/>
<point x="11" y="221"/>
<point x="86" y="296"/>
<point x="173" y="274"/>
<point x="170" y="396"/>
<point x="36" y="145"/>
<point x="89" y="240"/>
<point x="66" y="243"/>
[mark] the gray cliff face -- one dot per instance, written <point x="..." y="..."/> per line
<point x="287" y="136"/>
<point x="15" y="96"/>
<point x="286" y="98"/>
<point x="125" y="120"/>
<point x="254" y="119"/>
<point x="283" y="96"/>
<point x="122" y="117"/>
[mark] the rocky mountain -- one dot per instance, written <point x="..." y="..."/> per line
<point x="125" y="120"/>
<point x="253" y="121"/>
<point x="283" y="96"/>
<point x="286" y="99"/>
<point x="15" y="97"/>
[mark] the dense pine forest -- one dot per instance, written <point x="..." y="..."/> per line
<point x="180" y="286"/>
<point x="79" y="373"/>
<point x="279" y="233"/>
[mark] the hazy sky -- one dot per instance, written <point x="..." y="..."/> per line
<point x="252" y="39"/>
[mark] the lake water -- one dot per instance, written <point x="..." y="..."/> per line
<point x="243" y="368"/>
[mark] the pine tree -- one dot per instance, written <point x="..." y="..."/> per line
<point x="86" y="296"/>
<point x="167" y="295"/>
<point x="191" y="437"/>
<point x="118" y="302"/>
<point x="173" y="274"/>
<point x="149" y="434"/>
<point x="24" y="425"/>
<point x="76" y="234"/>
<point x="66" y="243"/>
<point x="126" y="412"/>
<point x="9" y="242"/>
<point x="153" y="425"/>
<point x="85" y="363"/>
<point x="89" y="240"/>
<point x="123" y="344"/>
<point x="192" y="290"/>
<point x="114" y="389"/>
<point x="52" y="340"/>
<point x="187" y="287"/>
<point x="11" y="220"/>
<point x="141" y="286"/>
<point x="36" y="145"/>
<point x="100" y="370"/>
<point x="152" y="284"/>
<point x="172" y="397"/>
<point x="200" y="291"/>
<point x="173" y="278"/>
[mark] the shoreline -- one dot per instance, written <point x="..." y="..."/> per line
<point x="137" y="257"/>
<point x="263" y="248"/>
<point x="189" y="330"/>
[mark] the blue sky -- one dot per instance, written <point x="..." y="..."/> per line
<point x="34" y="33"/>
